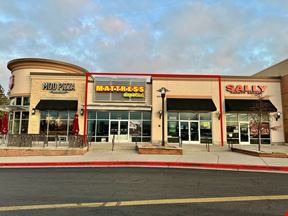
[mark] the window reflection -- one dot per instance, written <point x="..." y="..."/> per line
<point x="56" y="122"/>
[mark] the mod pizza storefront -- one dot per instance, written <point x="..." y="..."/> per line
<point x="45" y="97"/>
<point x="119" y="109"/>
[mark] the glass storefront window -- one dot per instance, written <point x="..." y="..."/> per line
<point x="102" y="115"/>
<point x="231" y="117"/>
<point x="265" y="117"/>
<point x="146" y="128"/>
<point x="192" y="127"/>
<point x="70" y="126"/>
<point x="147" y="115"/>
<point x="26" y="101"/>
<point x="243" y="117"/>
<point x="205" y="116"/>
<point x="91" y="115"/>
<point x="91" y="127"/>
<point x="173" y="129"/>
<point x="53" y="114"/>
<point x="173" y="116"/>
<point x="135" y="115"/>
<point x="18" y="120"/>
<point x="16" y="126"/>
<point x="56" y="122"/>
<point x="43" y="127"/>
<point x="232" y="128"/>
<point x="62" y="127"/>
<point x="19" y="101"/>
<point x="127" y="126"/>
<point x="102" y="128"/>
<point x="184" y="116"/>
<point x="119" y="115"/>
<point x="251" y="136"/>
<point x="43" y="115"/>
<point x="17" y="115"/>
<point x="135" y="128"/>
<point x="25" y="115"/>
<point x="189" y="116"/>
<point x="64" y="115"/>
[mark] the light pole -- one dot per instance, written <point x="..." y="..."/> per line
<point x="163" y="91"/>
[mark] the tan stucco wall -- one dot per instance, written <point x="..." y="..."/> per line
<point x="22" y="80"/>
<point x="37" y="94"/>
<point x="183" y="88"/>
<point x="273" y="93"/>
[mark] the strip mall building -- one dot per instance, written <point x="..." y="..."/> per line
<point x="46" y="94"/>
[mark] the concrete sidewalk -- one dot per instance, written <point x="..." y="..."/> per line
<point x="125" y="152"/>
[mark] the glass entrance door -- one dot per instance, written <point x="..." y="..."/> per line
<point x="194" y="132"/>
<point x="184" y="131"/>
<point x="120" y="130"/>
<point x="189" y="131"/>
<point x="244" y="133"/>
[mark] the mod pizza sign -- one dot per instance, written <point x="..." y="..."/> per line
<point x="246" y="89"/>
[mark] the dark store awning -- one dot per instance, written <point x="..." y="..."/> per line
<point x="200" y="105"/>
<point x="57" y="105"/>
<point x="238" y="105"/>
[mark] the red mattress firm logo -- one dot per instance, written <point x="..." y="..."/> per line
<point x="246" y="89"/>
<point x="120" y="89"/>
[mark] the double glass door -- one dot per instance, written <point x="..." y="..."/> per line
<point x="244" y="133"/>
<point x="189" y="131"/>
<point x="119" y="129"/>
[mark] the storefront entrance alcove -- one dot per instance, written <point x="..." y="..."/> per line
<point x="190" y="132"/>
<point x="119" y="131"/>
<point x="124" y="126"/>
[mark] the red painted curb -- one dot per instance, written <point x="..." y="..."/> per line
<point x="147" y="164"/>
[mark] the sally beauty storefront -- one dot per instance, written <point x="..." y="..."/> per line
<point x="197" y="108"/>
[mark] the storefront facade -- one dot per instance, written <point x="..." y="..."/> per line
<point x="45" y="95"/>
<point x="128" y="109"/>
<point x="119" y="108"/>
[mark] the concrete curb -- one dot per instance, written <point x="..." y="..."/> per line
<point x="217" y="166"/>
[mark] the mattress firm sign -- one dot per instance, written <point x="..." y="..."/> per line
<point x="58" y="87"/>
<point x="119" y="90"/>
<point x="246" y="89"/>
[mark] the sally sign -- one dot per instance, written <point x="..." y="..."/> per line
<point x="246" y="89"/>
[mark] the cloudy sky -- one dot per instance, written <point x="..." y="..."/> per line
<point x="235" y="37"/>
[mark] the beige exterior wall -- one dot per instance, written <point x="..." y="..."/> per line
<point x="38" y="94"/>
<point x="22" y="81"/>
<point x="183" y="88"/>
<point x="273" y="93"/>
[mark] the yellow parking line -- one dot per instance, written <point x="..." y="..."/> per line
<point x="145" y="202"/>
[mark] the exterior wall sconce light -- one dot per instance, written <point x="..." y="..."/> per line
<point x="277" y="116"/>
<point x="163" y="92"/>
<point x="160" y="114"/>
<point x="33" y="111"/>
<point x="82" y="112"/>
<point x="218" y="114"/>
